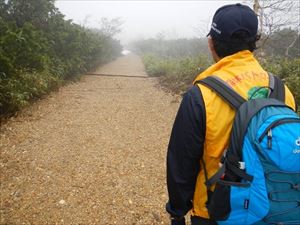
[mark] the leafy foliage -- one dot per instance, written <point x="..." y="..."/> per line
<point x="24" y="86"/>
<point x="39" y="49"/>
<point x="177" y="62"/>
<point x="175" y="74"/>
<point x="282" y="43"/>
<point x="289" y="71"/>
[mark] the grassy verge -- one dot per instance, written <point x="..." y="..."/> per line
<point x="175" y="74"/>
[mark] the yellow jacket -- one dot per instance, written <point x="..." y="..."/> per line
<point x="243" y="73"/>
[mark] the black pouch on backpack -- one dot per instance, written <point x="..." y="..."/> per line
<point x="219" y="203"/>
<point x="219" y="207"/>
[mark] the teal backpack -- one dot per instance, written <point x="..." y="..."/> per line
<point x="259" y="182"/>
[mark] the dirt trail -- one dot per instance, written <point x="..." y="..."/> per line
<point x="91" y="153"/>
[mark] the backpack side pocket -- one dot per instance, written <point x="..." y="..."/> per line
<point x="219" y="204"/>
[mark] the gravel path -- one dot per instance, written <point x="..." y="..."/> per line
<point x="91" y="153"/>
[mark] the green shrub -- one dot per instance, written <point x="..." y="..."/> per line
<point x="39" y="49"/>
<point x="155" y="66"/>
<point x="176" y="74"/>
<point x="19" y="89"/>
<point x="289" y="71"/>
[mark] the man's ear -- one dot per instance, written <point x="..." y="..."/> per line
<point x="212" y="50"/>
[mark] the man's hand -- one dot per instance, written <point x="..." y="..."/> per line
<point x="180" y="221"/>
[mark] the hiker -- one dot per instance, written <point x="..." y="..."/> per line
<point x="203" y="123"/>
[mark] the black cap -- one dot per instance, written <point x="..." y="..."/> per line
<point x="231" y="18"/>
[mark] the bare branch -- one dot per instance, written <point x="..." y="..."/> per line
<point x="291" y="45"/>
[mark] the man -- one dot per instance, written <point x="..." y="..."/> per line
<point x="203" y="123"/>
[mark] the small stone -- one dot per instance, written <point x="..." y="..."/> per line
<point x="62" y="202"/>
<point x="156" y="216"/>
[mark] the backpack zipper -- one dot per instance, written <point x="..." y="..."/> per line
<point x="269" y="135"/>
<point x="268" y="130"/>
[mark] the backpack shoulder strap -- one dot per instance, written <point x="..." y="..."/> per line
<point x="233" y="98"/>
<point x="277" y="88"/>
<point x="223" y="90"/>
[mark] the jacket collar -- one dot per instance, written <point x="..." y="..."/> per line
<point x="241" y="58"/>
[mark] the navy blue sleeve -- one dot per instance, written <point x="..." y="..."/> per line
<point x="184" y="152"/>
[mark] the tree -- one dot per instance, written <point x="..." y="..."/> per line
<point x="284" y="43"/>
<point x="110" y="27"/>
<point x="3" y="9"/>
<point x="37" y="12"/>
<point x="276" y="15"/>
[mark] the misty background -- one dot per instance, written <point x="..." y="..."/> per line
<point x="146" y="19"/>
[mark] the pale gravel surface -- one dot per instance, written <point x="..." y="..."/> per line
<point x="91" y="153"/>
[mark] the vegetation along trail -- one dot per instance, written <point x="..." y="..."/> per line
<point x="91" y="153"/>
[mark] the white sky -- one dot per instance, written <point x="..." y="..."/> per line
<point x="144" y="19"/>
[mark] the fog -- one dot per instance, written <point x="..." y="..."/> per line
<point x="145" y="19"/>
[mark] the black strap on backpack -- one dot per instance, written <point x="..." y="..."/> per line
<point x="226" y="92"/>
<point x="277" y="87"/>
<point x="223" y="90"/>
